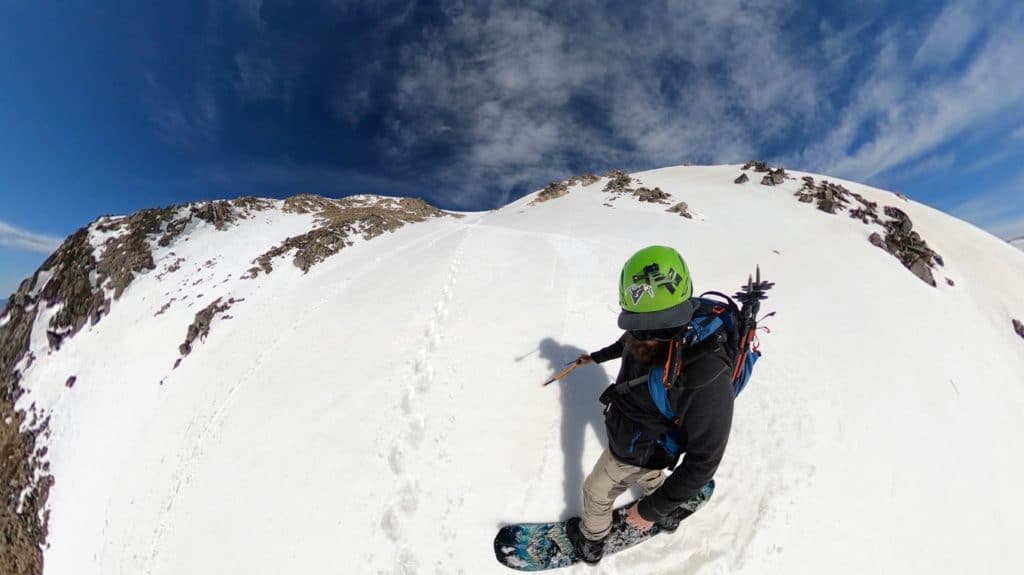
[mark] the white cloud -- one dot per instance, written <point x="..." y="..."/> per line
<point x="998" y="209"/>
<point x="949" y="34"/>
<point x="908" y="116"/>
<point x="933" y="163"/>
<point x="518" y="94"/>
<point x="19" y="239"/>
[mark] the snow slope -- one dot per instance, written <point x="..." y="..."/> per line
<point x="383" y="413"/>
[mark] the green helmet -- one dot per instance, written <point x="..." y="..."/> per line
<point x="655" y="290"/>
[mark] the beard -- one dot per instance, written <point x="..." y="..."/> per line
<point x="649" y="352"/>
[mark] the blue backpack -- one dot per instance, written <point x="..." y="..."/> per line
<point x="711" y="315"/>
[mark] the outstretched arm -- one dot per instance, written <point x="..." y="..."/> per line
<point x="613" y="351"/>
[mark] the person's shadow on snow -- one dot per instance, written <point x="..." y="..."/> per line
<point x="581" y="409"/>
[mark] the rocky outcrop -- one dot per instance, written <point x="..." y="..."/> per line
<point x="552" y="191"/>
<point x="556" y="190"/>
<point x="775" y="177"/>
<point x="742" y="179"/>
<point x="582" y="180"/>
<point x="92" y="267"/>
<point x="1018" y="327"/>
<point x="897" y="236"/>
<point x="341" y="222"/>
<point x="200" y="327"/>
<point x="682" y="208"/>
<point x="908" y="246"/>
<point x="829" y="197"/>
<point x="757" y="165"/>
<point x="620" y="184"/>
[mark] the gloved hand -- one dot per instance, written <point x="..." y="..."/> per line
<point x="584" y="359"/>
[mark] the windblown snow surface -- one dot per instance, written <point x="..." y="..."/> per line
<point x="384" y="414"/>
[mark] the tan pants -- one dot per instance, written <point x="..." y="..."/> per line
<point x="609" y="479"/>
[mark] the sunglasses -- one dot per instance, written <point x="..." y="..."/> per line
<point x="663" y="334"/>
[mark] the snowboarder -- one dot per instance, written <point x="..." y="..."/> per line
<point x="656" y="297"/>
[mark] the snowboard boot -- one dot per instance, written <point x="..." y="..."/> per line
<point x="589" y="551"/>
<point x="670" y="522"/>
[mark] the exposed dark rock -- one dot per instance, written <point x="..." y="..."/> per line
<point x="922" y="269"/>
<point x="71" y="381"/>
<point x="774" y="177"/>
<point x="552" y="191"/>
<point x="558" y="189"/>
<point x="829" y="197"/>
<point x="341" y="222"/>
<point x="1018" y="327"/>
<point x="742" y="179"/>
<point x="618" y="182"/>
<point x="23" y="520"/>
<point x="656" y="196"/>
<point x="200" y="327"/>
<point x="583" y="180"/>
<point x="164" y="307"/>
<point x="950" y="282"/>
<point x="682" y="208"/>
<point x="876" y="240"/>
<point x="76" y="279"/>
<point x="758" y="165"/>
<point x="900" y="239"/>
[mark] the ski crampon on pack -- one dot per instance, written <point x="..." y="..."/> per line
<point x="542" y="546"/>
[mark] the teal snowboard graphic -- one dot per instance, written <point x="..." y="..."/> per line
<point x="542" y="546"/>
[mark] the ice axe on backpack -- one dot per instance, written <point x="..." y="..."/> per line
<point x="750" y="296"/>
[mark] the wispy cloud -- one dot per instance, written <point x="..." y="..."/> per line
<point x="19" y="239"/>
<point x="520" y="93"/>
<point x="999" y="209"/>
<point x="933" y="163"/>
<point x="950" y="33"/>
<point x="473" y="98"/>
<point x="907" y="115"/>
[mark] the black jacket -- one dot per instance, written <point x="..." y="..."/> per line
<point x="703" y="399"/>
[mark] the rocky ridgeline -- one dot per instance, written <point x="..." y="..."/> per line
<point x="898" y="237"/>
<point x="341" y="221"/>
<point x="555" y="190"/>
<point x="79" y="280"/>
<point x="621" y="184"/>
<point x="92" y="269"/>
<point x="772" y="176"/>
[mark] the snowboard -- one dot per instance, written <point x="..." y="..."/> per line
<point x="542" y="546"/>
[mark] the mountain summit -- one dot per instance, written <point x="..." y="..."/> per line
<point x="316" y="385"/>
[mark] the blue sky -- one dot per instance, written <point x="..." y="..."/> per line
<point x="110" y="107"/>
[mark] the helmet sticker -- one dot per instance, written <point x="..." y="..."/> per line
<point x="645" y="282"/>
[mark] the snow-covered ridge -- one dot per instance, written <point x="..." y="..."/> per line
<point x="375" y="406"/>
<point x="179" y="249"/>
<point x="1018" y="243"/>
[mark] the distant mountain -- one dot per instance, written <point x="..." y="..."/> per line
<point x="1018" y="243"/>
